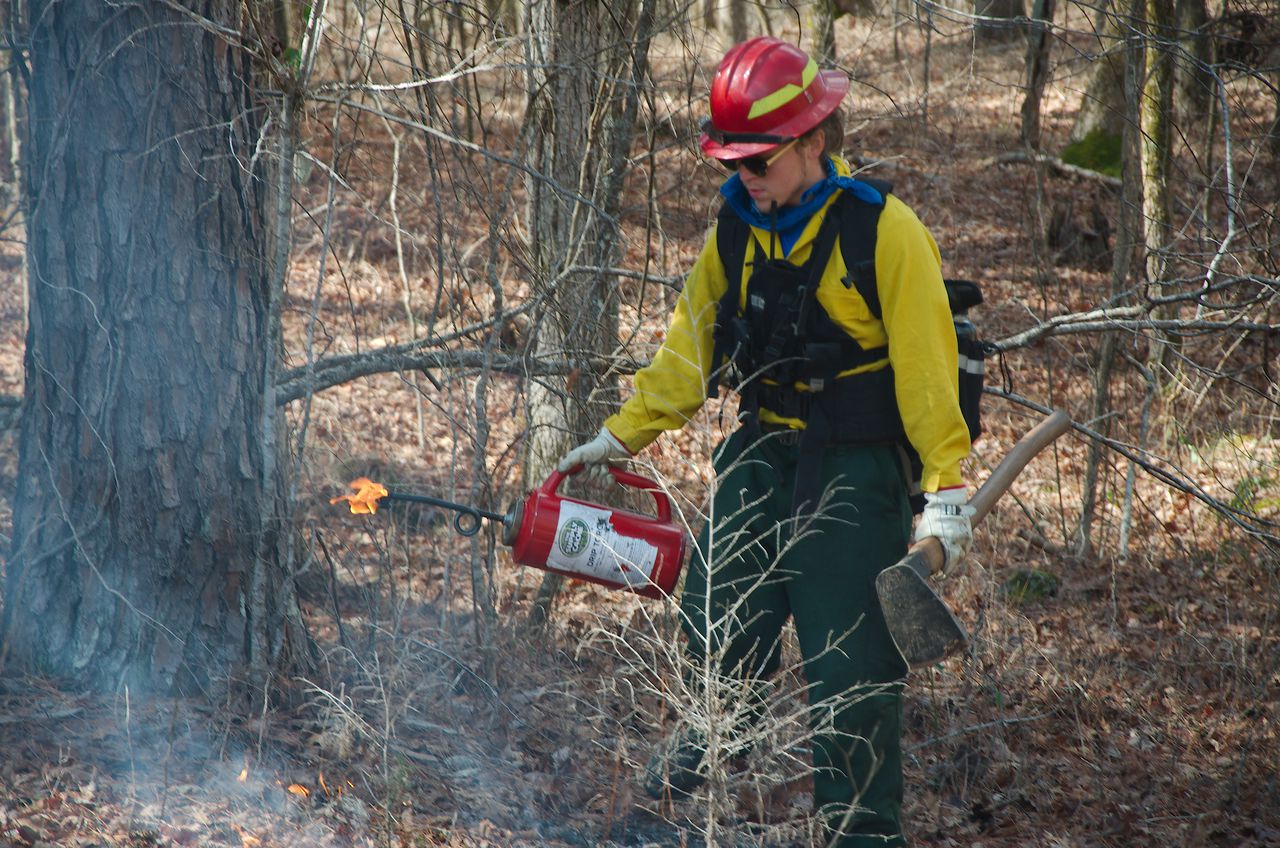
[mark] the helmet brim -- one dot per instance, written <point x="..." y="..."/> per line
<point x="734" y="150"/>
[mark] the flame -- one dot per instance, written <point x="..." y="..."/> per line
<point x="365" y="500"/>
<point x="244" y="774"/>
<point x="299" y="790"/>
<point x="247" y="840"/>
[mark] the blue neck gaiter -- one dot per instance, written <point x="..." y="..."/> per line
<point x="789" y="221"/>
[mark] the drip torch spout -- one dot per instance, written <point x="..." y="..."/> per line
<point x="368" y="494"/>
<point x="467" y="520"/>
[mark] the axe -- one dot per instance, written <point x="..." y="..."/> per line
<point x="922" y="626"/>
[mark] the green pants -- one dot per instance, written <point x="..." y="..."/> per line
<point x="767" y="567"/>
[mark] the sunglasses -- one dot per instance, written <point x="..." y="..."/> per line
<point x="756" y="164"/>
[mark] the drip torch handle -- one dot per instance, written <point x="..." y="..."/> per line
<point x="624" y="478"/>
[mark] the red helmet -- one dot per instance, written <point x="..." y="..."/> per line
<point x="765" y="93"/>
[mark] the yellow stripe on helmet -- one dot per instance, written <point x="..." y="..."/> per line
<point x="785" y="94"/>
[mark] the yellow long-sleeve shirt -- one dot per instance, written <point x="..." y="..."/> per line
<point x="915" y="323"/>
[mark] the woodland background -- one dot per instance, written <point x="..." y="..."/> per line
<point x="456" y="231"/>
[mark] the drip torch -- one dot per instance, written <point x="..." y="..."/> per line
<point x="611" y="546"/>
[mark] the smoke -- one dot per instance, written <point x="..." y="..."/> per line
<point x="161" y="772"/>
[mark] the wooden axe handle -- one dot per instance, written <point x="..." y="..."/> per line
<point x="998" y="483"/>
<point x="1039" y="438"/>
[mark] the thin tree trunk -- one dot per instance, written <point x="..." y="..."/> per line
<point x="996" y="20"/>
<point x="1195" y="84"/>
<point x="738" y="29"/>
<point x="13" y="141"/>
<point x="1127" y="235"/>
<point x="1038" y="44"/>
<point x="1154" y="105"/>
<point x="928" y="58"/>
<point x="583" y="99"/>
<point x="822" y="25"/>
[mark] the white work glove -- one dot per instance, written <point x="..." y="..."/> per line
<point x="603" y="448"/>
<point x="946" y="516"/>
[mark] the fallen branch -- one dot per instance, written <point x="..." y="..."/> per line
<point x="1055" y="164"/>
<point x="47" y="715"/>
<point x="976" y="728"/>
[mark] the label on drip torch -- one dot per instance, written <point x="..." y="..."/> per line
<point x="587" y="543"/>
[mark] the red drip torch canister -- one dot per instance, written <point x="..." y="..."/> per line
<point x="613" y="547"/>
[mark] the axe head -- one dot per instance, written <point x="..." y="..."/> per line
<point x="922" y="626"/>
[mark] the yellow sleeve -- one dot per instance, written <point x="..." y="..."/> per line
<point x="673" y="387"/>
<point x="922" y="347"/>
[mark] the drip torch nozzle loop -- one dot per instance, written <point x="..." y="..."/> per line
<point x="467" y="520"/>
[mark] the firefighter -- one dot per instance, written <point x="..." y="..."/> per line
<point x="812" y="495"/>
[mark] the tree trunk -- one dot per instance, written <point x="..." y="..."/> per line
<point x="1037" y="72"/>
<point x="1102" y="107"/>
<point x="1153" y="117"/>
<point x="587" y="65"/>
<point x="1274" y="131"/>
<point x="10" y="85"/>
<point x="739" y="31"/>
<point x="997" y="20"/>
<point x="822" y="28"/>
<point x="141" y="520"/>
<point x="1195" y="85"/>
<point x="1128" y="233"/>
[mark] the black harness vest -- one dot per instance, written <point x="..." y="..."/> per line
<point x="784" y="351"/>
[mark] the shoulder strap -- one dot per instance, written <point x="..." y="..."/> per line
<point x="731" y="244"/>
<point x="858" y="243"/>
<point x="858" y="247"/>
<point x="732" y="234"/>
<point x="823" y="244"/>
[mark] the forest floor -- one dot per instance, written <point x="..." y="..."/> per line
<point x="1107" y="699"/>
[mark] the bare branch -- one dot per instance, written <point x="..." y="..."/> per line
<point x="329" y="88"/>
<point x="1132" y="318"/>
<point x="1262" y="529"/>
<point x="1065" y="325"/>
<point x="326" y="374"/>
<point x="509" y="161"/>
<point x="428" y="353"/>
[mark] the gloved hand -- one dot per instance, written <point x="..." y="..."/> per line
<point x="946" y="516"/>
<point x="603" y="448"/>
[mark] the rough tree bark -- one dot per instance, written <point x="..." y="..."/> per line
<point x="143" y="549"/>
